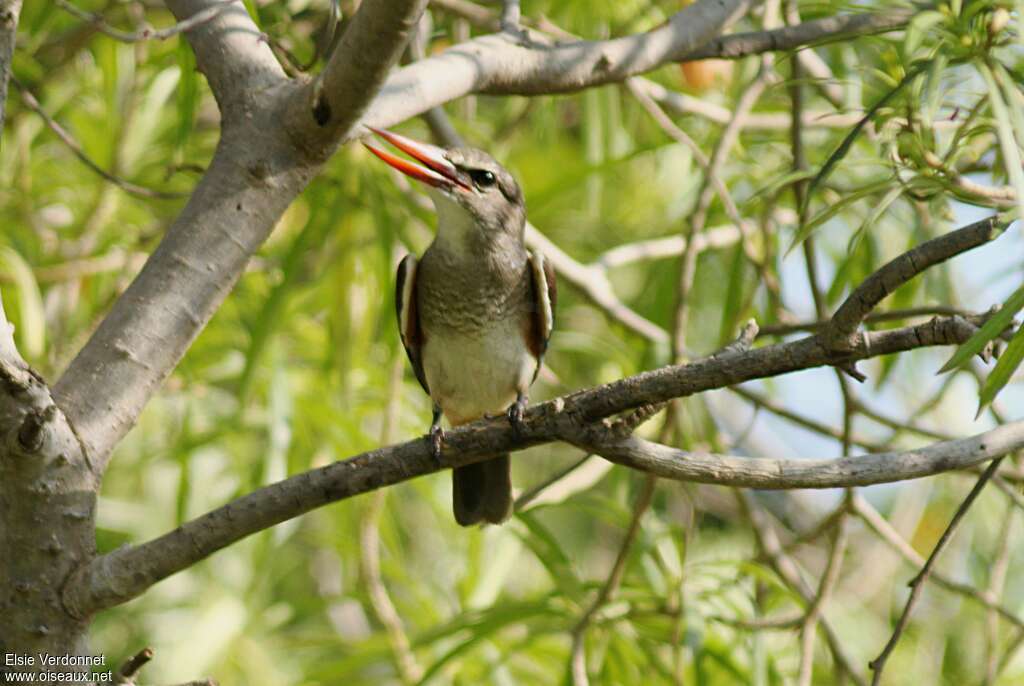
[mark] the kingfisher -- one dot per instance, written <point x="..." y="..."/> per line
<point x="476" y="312"/>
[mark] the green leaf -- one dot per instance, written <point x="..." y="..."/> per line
<point x="1004" y="132"/>
<point x="835" y="208"/>
<point x="772" y="188"/>
<point x="992" y="328"/>
<point x="31" y="325"/>
<point x="875" y="214"/>
<point x="847" y="143"/>
<point x="933" y="91"/>
<point x="917" y="28"/>
<point x="1008" y="363"/>
<point x="735" y="296"/>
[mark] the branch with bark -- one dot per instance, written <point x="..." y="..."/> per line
<point x="583" y="419"/>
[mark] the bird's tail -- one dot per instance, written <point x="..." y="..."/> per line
<point x="482" y="491"/>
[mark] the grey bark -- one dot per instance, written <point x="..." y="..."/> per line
<point x="47" y="502"/>
<point x="123" y="574"/>
<point x="47" y="489"/>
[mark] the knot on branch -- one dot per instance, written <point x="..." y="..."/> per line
<point x="33" y="429"/>
<point x="743" y="343"/>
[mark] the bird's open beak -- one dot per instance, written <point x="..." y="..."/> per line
<point x="435" y="171"/>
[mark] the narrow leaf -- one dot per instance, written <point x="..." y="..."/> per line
<point x="1008" y="363"/>
<point x="992" y="328"/>
<point x="1004" y="132"/>
<point x="835" y="208"/>
<point x="847" y="143"/>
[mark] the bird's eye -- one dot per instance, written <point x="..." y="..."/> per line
<point x="482" y="178"/>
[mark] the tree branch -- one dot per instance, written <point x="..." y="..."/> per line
<point x="76" y="148"/>
<point x="897" y="272"/>
<point x="807" y="33"/>
<point x="235" y="206"/>
<point x="230" y="52"/>
<point x="762" y="473"/>
<point x="355" y="71"/>
<point x="499" y="65"/>
<point x="125" y="573"/>
<point x="917" y="583"/>
<point x="106" y="29"/>
<point x="732" y="46"/>
<point x="9" y="11"/>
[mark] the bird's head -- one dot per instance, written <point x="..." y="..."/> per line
<point x="471" y="191"/>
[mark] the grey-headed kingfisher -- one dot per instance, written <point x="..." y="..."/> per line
<point x="476" y="311"/>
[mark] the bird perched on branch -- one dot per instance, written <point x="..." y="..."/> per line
<point x="476" y="311"/>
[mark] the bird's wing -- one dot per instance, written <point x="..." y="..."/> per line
<point x="408" y="317"/>
<point x="545" y="297"/>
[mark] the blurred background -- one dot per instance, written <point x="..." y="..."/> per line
<point x="302" y="364"/>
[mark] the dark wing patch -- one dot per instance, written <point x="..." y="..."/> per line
<point x="408" y="317"/>
<point x="545" y="298"/>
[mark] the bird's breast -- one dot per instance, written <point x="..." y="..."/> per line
<point x="478" y="372"/>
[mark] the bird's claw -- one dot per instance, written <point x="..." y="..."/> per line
<point x="436" y="439"/>
<point x="516" y="412"/>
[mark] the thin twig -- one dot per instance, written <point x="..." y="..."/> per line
<point x="369" y="545"/>
<point x="97" y="21"/>
<point x="814" y="325"/>
<point x="829" y="578"/>
<point x="697" y="222"/>
<point x="527" y="497"/>
<point x="917" y="583"/>
<point x="76" y="148"/>
<point x="887" y="533"/>
<point x="131" y="667"/>
<point x="785" y="623"/>
<point x="578" y="656"/>
<point x="787" y="569"/>
<point x="996" y="583"/>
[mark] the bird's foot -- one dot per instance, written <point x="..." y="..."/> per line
<point x="436" y="437"/>
<point x="516" y="411"/>
<point x="436" y="440"/>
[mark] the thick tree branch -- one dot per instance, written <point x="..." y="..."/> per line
<point x="125" y="573"/>
<point x="498" y="64"/>
<point x="732" y="46"/>
<point x="149" y="328"/>
<point x="237" y="203"/>
<point x="355" y="71"/>
<point x="47" y="497"/>
<point x="230" y="51"/>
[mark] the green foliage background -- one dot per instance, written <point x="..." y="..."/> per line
<point x="302" y="366"/>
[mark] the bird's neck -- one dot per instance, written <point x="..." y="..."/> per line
<point x="457" y="233"/>
<point x="460" y="239"/>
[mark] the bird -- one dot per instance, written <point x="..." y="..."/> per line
<point x="476" y="311"/>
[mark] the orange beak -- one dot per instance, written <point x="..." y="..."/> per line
<point x="435" y="169"/>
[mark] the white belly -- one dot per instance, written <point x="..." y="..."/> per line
<point x="470" y="376"/>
